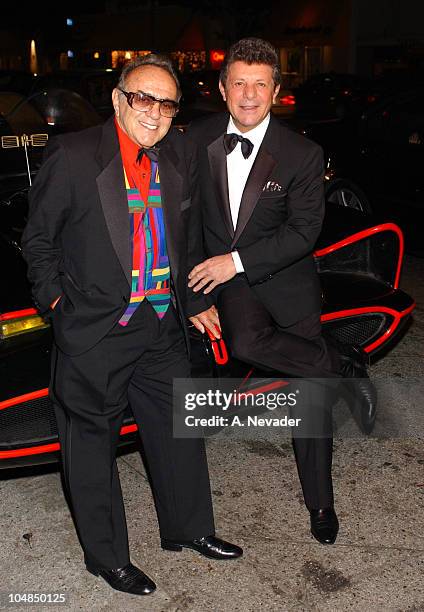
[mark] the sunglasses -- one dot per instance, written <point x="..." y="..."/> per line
<point x="143" y="102"/>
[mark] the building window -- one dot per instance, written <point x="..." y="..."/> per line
<point x="120" y="58"/>
<point x="189" y="60"/>
<point x="313" y="61"/>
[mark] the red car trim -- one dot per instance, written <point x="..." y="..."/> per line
<point x="384" y="227"/>
<point x="50" y="448"/>
<point x="277" y="384"/>
<point x="126" y="429"/>
<point x="17" y="314"/>
<point x="397" y="317"/>
<point x="34" y="450"/>
<point x="20" y="399"/>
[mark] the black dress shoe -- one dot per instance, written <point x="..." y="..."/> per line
<point x="324" y="525"/>
<point x="128" y="579"/>
<point x="211" y="547"/>
<point x="357" y="389"/>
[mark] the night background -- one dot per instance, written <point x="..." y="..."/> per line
<point x="354" y="36"/>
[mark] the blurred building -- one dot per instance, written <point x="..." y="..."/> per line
<point x="117" y="32"/>
<point x="362" y="36"/>
<point x="14" y="53"/>
<point x="349" y="36"/>
<point x="389" y="36"/>
<point x="110" y="39"/>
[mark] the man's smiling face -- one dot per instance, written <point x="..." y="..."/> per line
<point x="249" y="92"/>
<point x="149" y="127"/>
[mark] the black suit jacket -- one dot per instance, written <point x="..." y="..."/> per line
<point x="280" y="215"/>
<point x="77" y="239"/>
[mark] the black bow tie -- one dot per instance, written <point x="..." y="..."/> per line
<point x="152" y="153"/>
<point x="231" y="140"/>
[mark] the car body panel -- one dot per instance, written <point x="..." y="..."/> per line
<point x="381" y="150"/>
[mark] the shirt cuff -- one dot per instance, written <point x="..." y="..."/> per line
<point x="237" y="262"/>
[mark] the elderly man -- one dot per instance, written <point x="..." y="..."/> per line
<point x="263" y="205"/>
<point x="112" y="232"/>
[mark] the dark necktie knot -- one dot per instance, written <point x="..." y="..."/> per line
<point x="230" y="143"/>
<point x="152" y="153"/>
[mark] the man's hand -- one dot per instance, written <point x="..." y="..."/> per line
<point x="207" y="319"/>
<point x="212" y="272"/>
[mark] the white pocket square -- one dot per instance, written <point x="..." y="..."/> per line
<point x="272" y="186"/>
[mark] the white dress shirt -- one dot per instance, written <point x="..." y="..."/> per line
<point x="238" y="170"/>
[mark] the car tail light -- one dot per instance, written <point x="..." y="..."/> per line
<point x="20" y="322"/>
<point x="288" y="100"/>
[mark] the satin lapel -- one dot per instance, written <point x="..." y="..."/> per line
<point x="218" y="166"/>
<point x="261" y="169"/>
<point x="113" y="197"/>
<point x="171" y="186"/>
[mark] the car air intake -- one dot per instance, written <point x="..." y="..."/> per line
<point x="356" y="329"/>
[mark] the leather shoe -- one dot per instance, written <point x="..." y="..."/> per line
<point x="210" y="546"/>
<point x="359" y="392"/>
<point x="324" y="525"/>
<point x="128" y="579"/>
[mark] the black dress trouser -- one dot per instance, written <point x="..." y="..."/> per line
<point x="296" y="351"/>
<point x="134" y="364"/>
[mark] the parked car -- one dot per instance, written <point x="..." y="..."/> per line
<point x="358" y="259"/>
<point x="285" y="105"/>
<point x="333" y="95"/>
<point x="375" y="161"/>
<point x="95" y="86"/>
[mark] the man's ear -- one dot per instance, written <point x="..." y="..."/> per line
<point x="222" y="90"/>
<point x="115" y="101"/>
<point x="275" y="94"/>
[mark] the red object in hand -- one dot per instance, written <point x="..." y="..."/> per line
<point x="219" y="348"/>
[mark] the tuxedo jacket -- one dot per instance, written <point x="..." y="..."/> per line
<point x="280" y="215"/>
<point x="77" y="239"/>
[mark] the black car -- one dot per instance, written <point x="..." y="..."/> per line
<point x="95" y="86"/>
<point x="333" y="95"/>
<point x="358" y="258"/>
<point x="375" y="161"/>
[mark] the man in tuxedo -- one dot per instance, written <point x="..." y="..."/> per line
<point x="263" y="205"/>
<point x="112" y="232"/>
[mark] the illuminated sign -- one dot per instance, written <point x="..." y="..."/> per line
<point x="216" y="57"/>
